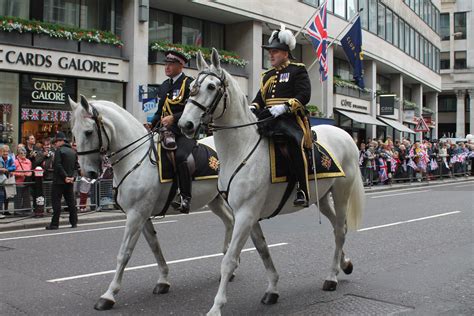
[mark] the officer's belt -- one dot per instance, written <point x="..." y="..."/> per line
<point x="275" y="101"/>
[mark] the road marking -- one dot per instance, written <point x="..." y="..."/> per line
<point x="81" y="276"/>
<point x="74" y="232"/>
<point x="465" y="185"/>
<point x="367" y="192"/>
<point x="408" y="221"/>
<point x="404" y="193"/>
<point x="100" y="223"/>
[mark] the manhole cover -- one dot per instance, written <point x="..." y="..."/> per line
<point x="3" y="248"/>
<point x="355" y="305"/>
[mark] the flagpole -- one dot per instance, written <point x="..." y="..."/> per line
<point x="310" y="18"/>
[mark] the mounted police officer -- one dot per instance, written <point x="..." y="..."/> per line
<point x="173" y="94"/>
<point x="285" y="89"/>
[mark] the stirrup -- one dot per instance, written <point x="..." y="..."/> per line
<point x="300" y="199"/>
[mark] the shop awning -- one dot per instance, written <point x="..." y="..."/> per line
<point x="361" y="118"/>
<point x="396" y="125"/>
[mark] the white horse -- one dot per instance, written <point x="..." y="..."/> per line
<point x="251" y="194"/>
<point x="102" y="127"/>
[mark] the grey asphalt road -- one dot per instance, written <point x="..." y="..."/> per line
<point x="414" y="254"/>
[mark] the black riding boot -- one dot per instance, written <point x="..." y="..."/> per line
<point x="185" y="182"/>
<point x="299" y="172"/>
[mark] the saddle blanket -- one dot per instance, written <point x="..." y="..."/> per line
<point x="326" y="165"/>
<point x="206" y="163"/>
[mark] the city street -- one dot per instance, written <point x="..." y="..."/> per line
<point x="413" y="254"/>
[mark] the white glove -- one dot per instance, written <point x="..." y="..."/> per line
<point x="278" y="110"/>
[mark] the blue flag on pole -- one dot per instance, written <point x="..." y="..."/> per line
<point x="352" y="45"/>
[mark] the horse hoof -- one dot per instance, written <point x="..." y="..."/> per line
<point x="270" y="298"/>
<point x="161" y="288"/>
<point x="104" y="304"/>
<point x="349" y="268"/>
<point x="329" y="285"/>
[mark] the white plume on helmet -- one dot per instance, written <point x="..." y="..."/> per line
<point x="284" y="36"/>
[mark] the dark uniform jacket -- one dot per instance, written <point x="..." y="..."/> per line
<point x="287" y="84"/>
<point x="65" y="163"/>
<point x="172" y="99"/>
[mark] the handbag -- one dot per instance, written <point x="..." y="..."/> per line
<point x="27" y="178"/>
<point x="10" y="187"/>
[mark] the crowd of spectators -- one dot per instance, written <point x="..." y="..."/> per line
<point x="387" y="161"/>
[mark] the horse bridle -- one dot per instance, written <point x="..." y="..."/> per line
<point x="221" y="92"/>
<point x="100" y="129"/>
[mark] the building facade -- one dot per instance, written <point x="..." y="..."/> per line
<point x="401" y="57"/>
<point x="456" y="101"/>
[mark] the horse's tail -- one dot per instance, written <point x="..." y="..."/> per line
<point x="356" y="203"/>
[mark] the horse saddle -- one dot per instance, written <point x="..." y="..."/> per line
<point x="326" y="165"/>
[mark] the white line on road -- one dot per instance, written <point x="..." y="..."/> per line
<point x="154" y="265"/>
<point x="410" y="188"/>
<point x="99" y="223"/>
<point x="404" y="193"/>
<point x="408" y="221"/>
<point x="74" y="232"/>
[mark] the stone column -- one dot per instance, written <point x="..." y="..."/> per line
<point x="432" y="103"/>
<point x="460" y="116"/>
<point x="471" y="111"/>
<point x="396" y="87"/>
<point x="417" y="97"/>
<point x="370" y="78"/>
<point x="135" y="49"/>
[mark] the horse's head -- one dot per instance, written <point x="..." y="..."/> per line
<point x="208" y="96"/>
<point x="91" y="137"/>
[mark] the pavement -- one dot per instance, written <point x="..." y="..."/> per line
<point x="11" y="223"/>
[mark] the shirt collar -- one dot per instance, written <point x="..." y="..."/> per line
<point x="174" y="79"/>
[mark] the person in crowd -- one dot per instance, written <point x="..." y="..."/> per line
<point x="370" y="162"/>
<point x="45" y="161"/>
<point x="22" y="173"/>
<point x="7" y="166"/>
<point x="65" y="168"/>
<point x="362" y="160"/>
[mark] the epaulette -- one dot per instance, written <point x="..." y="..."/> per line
<point x="298" y="64"/>
<point x="268" y="70"/>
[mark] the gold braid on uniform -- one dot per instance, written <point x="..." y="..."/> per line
<point x="178" y="99"/>
<point x="267" y="86"/>
<point x="299" y="110"/>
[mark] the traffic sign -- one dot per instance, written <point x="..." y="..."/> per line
<point x="421" y="126"/>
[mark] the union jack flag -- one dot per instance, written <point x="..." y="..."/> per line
<point x="63" y="116"/>
<point x="393" y="164"/>
<point x="318" y="33"/>
<point x="383" y="174"/>
<point x="54" y="116"/>
<point x="45" y="115"/>
<point x="412" y="164"/>
<point x="433" y="164"/>
<point x="25" y="114"/>
<point x="34" y="115"/>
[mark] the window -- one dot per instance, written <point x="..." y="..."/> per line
<point x="373" y="16"/>
<point x="364" y="15"/>
<point x="447" y="103"/>
<point x="351" y="8"/>
<point x="422" y="50"/>
<point x="406" y="93"/>
<point x="18" y="8"/>
<point x="381" y="21"/>
<point x="330" y="6"/>
<point x="340" y="8"/>
<point x="460" y="24"/>
<point x="342" y="69"/>
<point x="191" y="32"/>
<point x="412" y="42"/>
<point x="425" y="9"/>
<point x="213" y="35"/>
<point x="426" y="53"/>
<point x="395" y="30"/>
<point x="407" y="38"/>
<point x="417" y="7"/>
<point x="383" y="84"/>
<point x="444" y="60"/>
<point x="97" y="14"/>
<point x="64" y="12"/>
<point x="160" y="26"/>
<point x="417" y="46"/>
<point x="401" y="33"/>
<point x="436" y="67"/>
<point x="389" y="26"/>
<point x="460" y="60"/>
<point x="444" y="26"/>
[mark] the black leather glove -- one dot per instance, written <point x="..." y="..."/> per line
<point x="264" y="114"/>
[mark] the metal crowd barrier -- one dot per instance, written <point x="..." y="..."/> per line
<point x="98" y="198"/>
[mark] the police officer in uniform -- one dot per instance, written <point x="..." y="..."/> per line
<point x="173" y="94"/>
<point x="285" y="89"/>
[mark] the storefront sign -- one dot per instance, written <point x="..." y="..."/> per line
<point x="46" y="92"/>
<point x="26" y="59"/>
<point x="353" y="104"/>
<point x="387" y="104"/>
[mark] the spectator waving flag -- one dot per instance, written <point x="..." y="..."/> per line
<point x="383" y="174"/>
<point x="318" y="33"/>
<point x="433" y="164"/>
<point x="352" y="45"/>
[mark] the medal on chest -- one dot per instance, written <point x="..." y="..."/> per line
<point x="284" y="77"/>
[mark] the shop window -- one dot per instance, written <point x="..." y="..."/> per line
<point x="447" y="103"/>
<point x="373" y="16"/>
<point x="340" y="8"/>
<point x="460" y="25"/>
<point x="445" y="62"/>
<point x="460" y="60"/>
<point x="18" y="8"/>
<point x="65" y="12"/>
<point x="101" y="90"/>
<point x="191" y="31"/>
<point x="160" y="26"/>
<point x="381" y="21"/>
<point x="9" y="91"/>
<point x="444" y="26"/>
